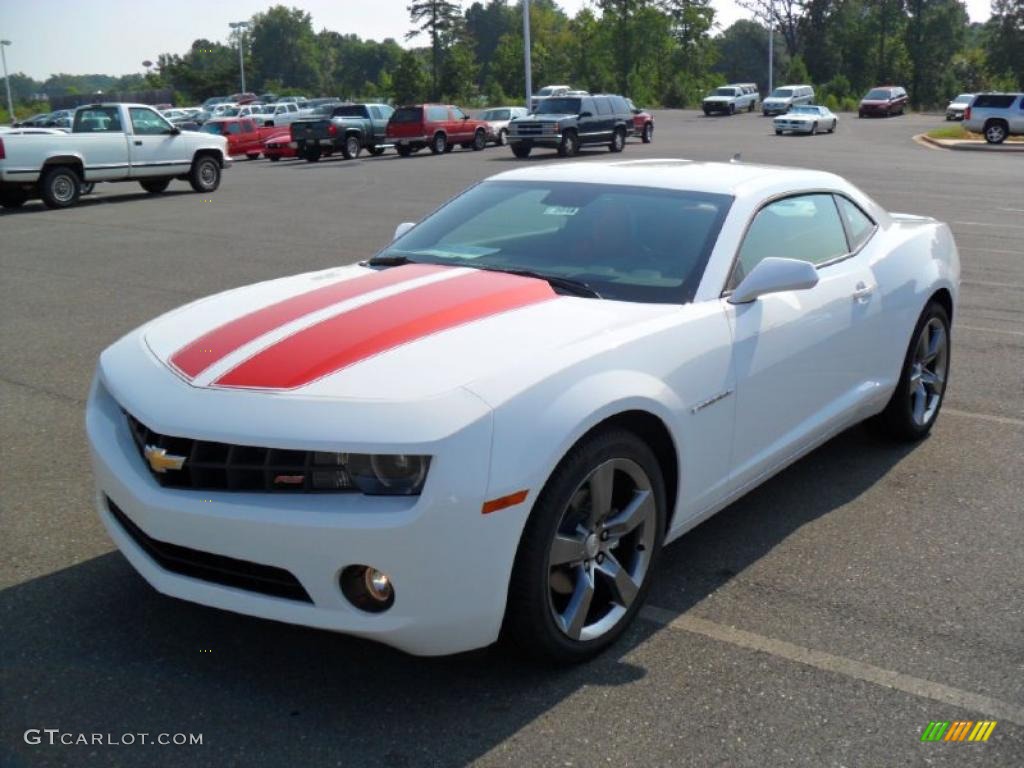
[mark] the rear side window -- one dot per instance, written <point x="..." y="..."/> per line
<point x="437" y="114"/>
<point x="354" y="110"/>
<point x="620" y="104"/>
<point x="98" y="120"/>
<point x="408" y="115"/>
<point x="994" y="100"/>
<point x="858" y="225"/>
<point x="587" y="105"/>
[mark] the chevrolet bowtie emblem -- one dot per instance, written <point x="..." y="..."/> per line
<point x="160" y="461"/>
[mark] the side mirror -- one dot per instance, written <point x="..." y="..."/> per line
<point x="586" y="114"/>
<point x="268" y="123"/>
<point x="174" y="130"/>
<point x="465" y="117"/>
<point x="402" y="228"/>
<point x="772" y="275"/>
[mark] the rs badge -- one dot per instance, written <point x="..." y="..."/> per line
<point x="160" y="461"/>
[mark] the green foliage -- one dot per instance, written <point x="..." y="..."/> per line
<point x="284" y="48"/>
<point x="409" y="83"/>
<point x="797" y="72"/>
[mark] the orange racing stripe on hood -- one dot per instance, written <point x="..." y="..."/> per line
<point x="199" y="355"/>
<point x="360" y="333"/>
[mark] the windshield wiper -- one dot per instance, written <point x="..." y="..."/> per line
<point x="389" y="261"/>
<point x="578" y="287"/>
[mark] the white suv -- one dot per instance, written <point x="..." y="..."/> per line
<point x="996" y="115"/>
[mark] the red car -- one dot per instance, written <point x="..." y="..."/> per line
<point x="278" y="146"/>
<point x="643" y="123"/>
<point x="245" y="136"/>
<point x="883" y="101"/>
<point x="437" y="126"/>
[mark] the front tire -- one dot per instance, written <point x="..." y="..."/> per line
<point x="569" y="145"/>
<point x="60" y="187"/>
<point x="404" y="150"/>
<point x="915" y="404"/>
<point x="502" y="137"/>
<point x="205" y="174"/>
<point x="833" y="128"/>
<point x="585" y="559"/>
<point x="439" y="144"/>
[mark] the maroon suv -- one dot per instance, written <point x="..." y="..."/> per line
<point x="437" y="126"/>
<point x="883" y="101"/>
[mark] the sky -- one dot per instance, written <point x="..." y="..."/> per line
<point x="115" y="36"/>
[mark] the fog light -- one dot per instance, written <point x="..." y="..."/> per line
<point x="367" y="588"/>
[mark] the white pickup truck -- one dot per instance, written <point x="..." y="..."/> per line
<point x="108" y="142"/>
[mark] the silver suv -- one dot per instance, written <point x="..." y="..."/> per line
<point x="996" y="116"/>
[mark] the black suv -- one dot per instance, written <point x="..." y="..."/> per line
<point x="566" y="123"/>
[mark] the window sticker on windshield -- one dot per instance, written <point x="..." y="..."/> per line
<point x="456" y="251"/>
<point x="560" y="210"/>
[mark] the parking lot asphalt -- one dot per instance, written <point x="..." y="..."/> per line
<point x="823" y="620"/>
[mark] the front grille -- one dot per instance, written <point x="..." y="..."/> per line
<point x="527" y="129"/>
<point x="242" y="574"/>
<point x="224" y="467"/>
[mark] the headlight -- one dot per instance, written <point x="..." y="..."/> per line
<point x="374" y="474"/>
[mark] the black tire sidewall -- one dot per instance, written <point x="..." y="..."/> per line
<point x="196" y="180"/>
<point x="479" y="141"/>
<point x="528" y="615"/>
<point x="347" y="150"/>
<point x="47" y="182"/>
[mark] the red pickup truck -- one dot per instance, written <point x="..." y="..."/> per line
<point x="437" y="126"/>
<point x="245" y="136"/>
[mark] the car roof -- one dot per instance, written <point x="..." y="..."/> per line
<point x="731" y="178"/>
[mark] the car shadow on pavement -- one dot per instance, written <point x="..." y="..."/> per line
<point x="92" y="648"/>
<point x="107" y="197"/>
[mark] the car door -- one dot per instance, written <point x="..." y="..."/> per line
<point x="459" y="128"/>
<point x="1017" y="116"/>
<point x="156" y="148"/>
<point x="800" y="357"/>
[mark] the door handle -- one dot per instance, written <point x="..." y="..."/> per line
<point x="138" y="143"/>
<point x="862" y="291"/>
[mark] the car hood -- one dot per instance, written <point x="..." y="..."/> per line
<point x="790" y="116"/>
<point x="774" y="101"/>
<point x="874" y="102"/>
<point x="547" y="118"/>
<point x="720" y="98"/>
<point x="400" y="334"/>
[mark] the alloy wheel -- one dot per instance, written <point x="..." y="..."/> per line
<point x="602" y="550"/>
<point x="928" y="371"/>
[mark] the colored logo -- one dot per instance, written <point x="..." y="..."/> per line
<point x="958" y="730"/>
<point x="160" y="461"/>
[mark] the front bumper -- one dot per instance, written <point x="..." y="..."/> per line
<point x="794" y="127"/>
<point x="774" y="109"/>
<point x="537" y="140"/>
<point x="449" y="564"/>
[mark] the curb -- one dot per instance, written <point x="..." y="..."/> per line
<point x="967" y="145"/>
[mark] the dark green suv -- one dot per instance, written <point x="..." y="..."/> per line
<point x="567" y="123"/>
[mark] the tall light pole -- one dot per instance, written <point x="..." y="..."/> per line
<point x="241" y="26"/>
<point x="771" y="51"/>
<point x="7" y="80"/>
<point x="526" y="56"/>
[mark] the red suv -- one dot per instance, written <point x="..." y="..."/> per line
<point x="245" y="136"/>
<point x="884" y="101"/>
<point x="438" y="126"/>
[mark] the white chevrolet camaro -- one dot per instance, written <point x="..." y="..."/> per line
<point x="806" y="118"/>
<point x="495" y="424"/>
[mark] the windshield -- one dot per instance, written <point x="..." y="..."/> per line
<point x="878" y="94"/>
<point x="496" y="114"/>
<point x="559" y="106"/>
<point x="724" y="92"/>
<point x="548" y="90"/>
<point x="805" y="110"/>
<point x="782" y="93"/>
<point x="963" y="98"/>
<point x="628" y="243"/>
<point x="215" y="128"/>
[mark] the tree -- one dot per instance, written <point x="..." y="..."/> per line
<point x="935" y="31"/>
<point x="742" y="53"/>
<point x="439" y="19"/>
<point x="1005" y="33"/>
<point x="409" y="82"/>
<point x="783" y="15"/>
<point x="284" y="48"/>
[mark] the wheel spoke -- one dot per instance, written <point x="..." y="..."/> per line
<point x="920" y="401"/>
<point x="566" y="549"/>
<point x="936" y="344"/>
<point x="601" y="484"/>
<point x="574" y="618"/>
<point x="624" y="589"/>
<point x="636" y="512"/>
<point x="931" y="379"/>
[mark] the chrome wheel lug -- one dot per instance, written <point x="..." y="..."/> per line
<point x="604" y="535"/>
<point x="600" y="557"/>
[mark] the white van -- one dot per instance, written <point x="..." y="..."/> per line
<point x="783" y="98"/>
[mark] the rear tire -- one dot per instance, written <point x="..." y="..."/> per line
<point x="522" y="151"/>
<point x="376" y="151"/>
<point x="648" y="133"/>
<point x="404" y="150"/>
<point x="618" y="141"/>
<point x="996" y="132"/>
<point x="311" y="155"/>
<point x="205" y="174"/>
<point x="732" y="109"/>
<point x="351" y="148"/>
<point x="439" y="144"/>
<point x="543" y="601"/>
<point x="252" y="155"/>
<point x="914" y="406"/>
<point x="274" y="158"/>
<point x="60" y="187"/>
<point x="155" y="186"/>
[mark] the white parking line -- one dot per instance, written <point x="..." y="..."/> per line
<point x="1000" y="225"/>
<point x="984" y="417"/>
<point x="993" y="283"/>
<point x="959" y="327"/>
<point x="841" y="665"/>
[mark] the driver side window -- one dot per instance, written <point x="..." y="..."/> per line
<point x="804" y="227"/>
<point x="145" y="122"/>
